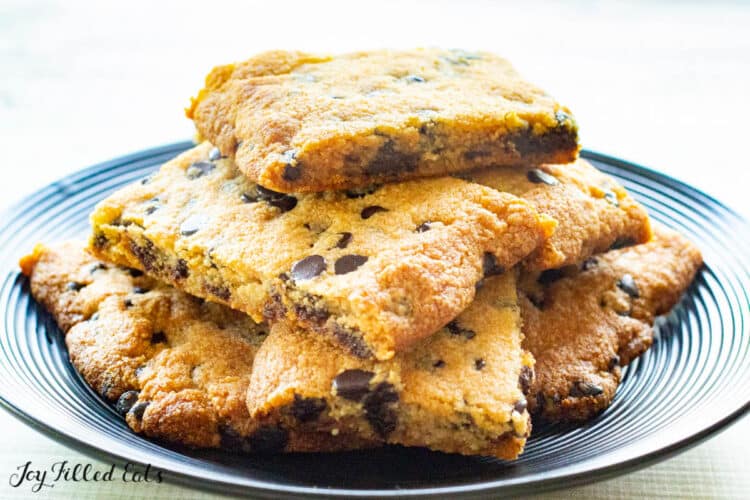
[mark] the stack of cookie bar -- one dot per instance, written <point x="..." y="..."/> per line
<point x="382" y="247"/>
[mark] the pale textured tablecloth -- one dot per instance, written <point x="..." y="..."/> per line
<point x="663" y="84"/>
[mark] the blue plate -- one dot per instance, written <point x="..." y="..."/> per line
<point x="692" y="383"/>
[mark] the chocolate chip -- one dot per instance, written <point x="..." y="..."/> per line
<point x="351" y="341"/>
<point x="425" y="226"/>
<point x="139" y="290"/>
<point x="538" y="177"/>
<point x="348" y="263"/>
<point x="479" y="363"/>
<point x="627" y="284"/>
<point x="180" y="270"/>
<point x="361" y="192"/>
<point x="368" y="212"/>
<point x="549" y="276"/>
<point x="525" y="379"/>
<point x="199" y="169"/>
<point x="307" y="409"/>
<point x="379" y="411"/>
<point x="537" y="300"/>
<point x="413" y="79"/>
<point x="308" y="268"/>
<point x="455" y="329"/>
<point x="269" y="439"/>
<point x="614" y="362"/>
<point x="147" y="179"/>
<point x="622" y="243"/>
<point x="135" y="273"/>
<point x="344" y="240"/>
<point x="352" y="384"/>
<point x="193" y="224"/>
<point x="520" y="405"/>
<point x="214" y="154"/>
<point x="389" y="161"/>
<point x="589" y="263"/>
<point x="490" y="266"/>
<point x="478" y="153"/>
<point x="284" y="204"/>
<point x="291" y="173"/>
<point x="218" y="291"/>
<point x="249" y="198"/>
<point x="151" y="209"/>
<point x="74" y="286"/>
<point x="126" y="401"/>
<point x="100" y="241"/>
<point x="611" y="197"/>
<point x="540" y="401"/>
<point x="99" y="266"/>
<point x="439" y="363"/>
<point x="580" y="389"/>
<point x="158" y="337"/>
<point x="139" y="409"/>
<point x="128" y="303"/>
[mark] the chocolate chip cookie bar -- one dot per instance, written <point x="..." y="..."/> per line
<point x="297" y="122"/>
<point x="177" y="368"/>
<point x="593" y="212"/>
<point x="375" y="269"/>
<point x="461" y="390"/>
<point x="583" y="323"/>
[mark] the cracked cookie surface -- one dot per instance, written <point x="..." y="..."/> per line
<point x="299" y="122"/>
<point x="461" y="390"/>
<point x="174" y="366"/>
<point x="582" y="323"/>
<point x="376" y="269"/>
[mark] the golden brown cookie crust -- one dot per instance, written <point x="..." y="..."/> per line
<point x="583" y="324"/>
<point x="459" y="391"/>
<point x="593" y="212"/>
<point x="298" y="122"/>
<point x="176" y="367"/>
<point x="377" y="269"/>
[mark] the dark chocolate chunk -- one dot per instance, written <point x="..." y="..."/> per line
<point x="361" y="192"/>
<point x="74" y="286"/>
<point x="139" y="290"/>
<point x="549" y="276"/>
<point x="100" y="241"/>
<point x="135" y="273"/>
<point x="99" y="266"/>
<point x="368" y="212"/>
<point x="218" y="291"/>
<point x="268" y="439"/>
<point x="538" y="177"/>
<point x="192" y="224"/>
<point x="348" y="263"/>
<point x="479" y="363"/>
<point x="611" y="197"/>
<point x="439" y="363"/>
<point x="351" y="340"/>
<point x="308" y="268"/>
<point x="589" y="263"/>
<point x="199" y="169"/>
<point x="352" y="384"/>
<point x="379" y="410"/>
<point x="307" y="409"/>
<point x="291" y="173"/>
<point x="455" y="329"/>
<point x="389" y="161"/>
<point x="126" y="401"/>
<point x="627" y="284"/>
<point x="525" y="379"/>
<point x="214" y="154"/>
<point x="158" y="337"/>
<point x="249" y="197"/>
<point x="180" y="270"/>
<point x="139" y="409"/>
<point x="520" y="405"/>
<point x="128" y="303"/>
<point x="425" y="226"/>
<point x="581" y="388"/>
<point x="490" y="266"/>
<point x="344" y="240"/>
<point x="285" y="203"/>
<point x="622" y="243"/>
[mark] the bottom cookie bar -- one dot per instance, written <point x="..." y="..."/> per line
<point x="176" y="367"/>
<point x="459" y="391"/>
<point x="583" y="323"/>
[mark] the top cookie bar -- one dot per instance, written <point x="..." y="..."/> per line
<point x="296" y="122"/>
